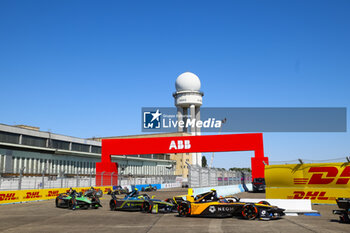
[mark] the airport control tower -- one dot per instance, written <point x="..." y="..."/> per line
<point x="188" y="99"/>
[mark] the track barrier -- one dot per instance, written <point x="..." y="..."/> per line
<point x="8" y="197"/>
<point x="322" y="183"/>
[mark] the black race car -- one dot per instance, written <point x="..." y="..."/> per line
<point x="344" y="204"/>
<point x="136" y="201"/>
<point x="149" y="188"/>
<point x="208" y="205"/>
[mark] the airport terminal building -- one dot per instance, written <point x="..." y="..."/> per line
<point x="27" y="150"/>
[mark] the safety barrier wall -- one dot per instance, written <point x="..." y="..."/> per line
<point x="319" y="182"/>
<point x="222" y="190"/>
<point x="171" y="185"/>
<point x="16" y="196"/>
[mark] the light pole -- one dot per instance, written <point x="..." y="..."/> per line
<point x="212" y="156"/>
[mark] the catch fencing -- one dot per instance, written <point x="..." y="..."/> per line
<point x="211" y="177"/>
<point x="63" y="180"/>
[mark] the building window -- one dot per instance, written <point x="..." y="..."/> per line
<point x="9" y="137"/>
<point x="96" y="149"/>
<point x="33" y="141"/>
<point x="80" y="147"/>
<point x="60" y="144"/>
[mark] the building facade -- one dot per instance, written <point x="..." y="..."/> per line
<point x="27" y="150"/>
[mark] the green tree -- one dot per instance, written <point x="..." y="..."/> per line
<point x="204" y="161"/>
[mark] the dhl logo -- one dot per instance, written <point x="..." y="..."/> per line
<point x="30" y="195"/>
<point x="325" y="175"/>
<point x="310" y="195"/>
<point x="8" y="197"/>
<point x="52" y="193"/>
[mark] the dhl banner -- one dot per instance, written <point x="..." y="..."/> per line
<point x="320" y="182"/>
<point x="40" y="194"/>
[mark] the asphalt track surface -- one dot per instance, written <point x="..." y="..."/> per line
<point x="44" y="217"/>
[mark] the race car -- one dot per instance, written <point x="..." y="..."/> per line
<point x="344" y="204"/>
<point x="136" y="201"/>
<point x="131" y="201"/>
<point x="209" y="205"/>
<point x="74" y="200"/>
<point x="149" y="188"/>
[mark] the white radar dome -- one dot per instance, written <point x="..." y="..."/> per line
<point x="188" y="82"/>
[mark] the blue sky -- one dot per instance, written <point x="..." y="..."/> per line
<point x="85" y="68"/>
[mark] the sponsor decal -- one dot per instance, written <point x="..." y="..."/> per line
<point x="8" y="197"/>
<point x="212" y="209"/>
<point x="52" y="193"/>
<point x="32" y="195"/>
<point x="325" y="175"/>
<point x="226" y="209"/>
<point x="310" y="195"/>
<point x="180" y="144"/>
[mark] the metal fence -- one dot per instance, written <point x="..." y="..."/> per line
<point x="63" y="180"/>
<point x="125" y="180"/>
<point x="209" y="177"/>
<point x="22" y="182"/>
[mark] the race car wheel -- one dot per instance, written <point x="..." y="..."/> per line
<point x="263" y="202"/>
<point x="56" y="202"/>
<point x="70" y="204"/>
<point x="146" y="207"/>
<point x="184" y="210"/>
<point x="249" y="212"/>
<point x="155" y="188"/>
<point x="112" y="205"/>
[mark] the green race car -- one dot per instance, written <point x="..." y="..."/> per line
<point x="74" y="200"/>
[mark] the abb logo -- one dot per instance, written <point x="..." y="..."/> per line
<point x="310" y="195"/>
<point x="325" y="175"/>
<point x="30" y="195"/>
<point x="8" y="197"/>
<point x="181" y="144"/>
<point x="52" y="194"/>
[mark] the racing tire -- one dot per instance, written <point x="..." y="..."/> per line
<point x="184" y="210"/>
<point x="112" y="205"/>
<point x="146" y="207"/>
<point x="56" y="202"/>
<point x="250" y="212"/>
<point x="70" y="204"/>
<point x="154" y="188"/>
<point x="264" y="202"/>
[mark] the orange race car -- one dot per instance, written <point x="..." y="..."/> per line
<point x="209" y="205"/>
